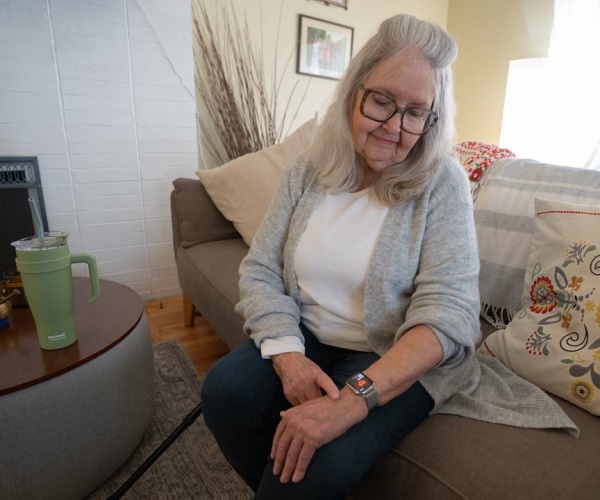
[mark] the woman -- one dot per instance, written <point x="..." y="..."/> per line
<point x="360" y="289"/>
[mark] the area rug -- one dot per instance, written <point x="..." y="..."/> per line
<point x="193" y="466"/>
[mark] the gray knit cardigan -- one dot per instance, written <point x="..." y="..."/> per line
<point x="424" y="270"/>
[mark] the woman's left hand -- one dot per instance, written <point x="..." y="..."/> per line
<point x="306" y="427"/>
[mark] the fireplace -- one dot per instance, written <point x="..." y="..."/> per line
<point x="19" y="181"/>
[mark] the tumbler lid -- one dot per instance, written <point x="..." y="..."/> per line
<point x="51" y="239"/>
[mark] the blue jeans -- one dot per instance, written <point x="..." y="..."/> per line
<point x="242" y="397"/>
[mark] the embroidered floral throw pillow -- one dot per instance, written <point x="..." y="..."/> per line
<point x="554" y="341"/>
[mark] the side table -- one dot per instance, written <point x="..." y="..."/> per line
<point x="70" y="418"/>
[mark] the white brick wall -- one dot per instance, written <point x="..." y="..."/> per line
<point x="102" y="92"/>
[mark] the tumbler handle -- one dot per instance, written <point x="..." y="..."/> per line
<point x="90" y="260"/>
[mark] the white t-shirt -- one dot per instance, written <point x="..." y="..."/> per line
<point x="331" y="262"/>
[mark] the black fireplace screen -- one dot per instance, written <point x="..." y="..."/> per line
<point x="19" y="181"/>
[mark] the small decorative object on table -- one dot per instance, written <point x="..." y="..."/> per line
<point x="12" y="282"/>
<point x="5" y="309"/>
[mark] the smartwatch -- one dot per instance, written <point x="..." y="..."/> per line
<point x="363" y="386"/>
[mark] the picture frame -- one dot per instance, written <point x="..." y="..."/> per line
<point x="324" y="48"/>
<point x="337" y="3"/>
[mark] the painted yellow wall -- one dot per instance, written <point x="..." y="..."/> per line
<point x="489" y="34"/>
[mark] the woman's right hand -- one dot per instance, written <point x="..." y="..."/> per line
<point x="302" y="379"/>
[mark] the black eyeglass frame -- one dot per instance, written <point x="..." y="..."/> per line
<point x="401" y="111"/>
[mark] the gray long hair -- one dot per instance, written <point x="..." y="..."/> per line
<point x="338" y="166"/>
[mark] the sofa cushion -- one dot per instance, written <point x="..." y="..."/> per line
<point x="450" y="457"/>
<point x="195" y="217"/>
<point x="504" y="219"/>
<point x="208" y="273"/>
<point x="554" y="341"/>
<point x="243" y="188"/>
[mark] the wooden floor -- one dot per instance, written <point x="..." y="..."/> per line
<point x="202" y="345"/>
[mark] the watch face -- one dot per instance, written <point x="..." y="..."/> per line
<point x="360" y="382"/>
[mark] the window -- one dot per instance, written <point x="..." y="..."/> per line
<point x="552" y="105"/>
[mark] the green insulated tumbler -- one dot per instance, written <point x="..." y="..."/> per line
<point x="45" y="267"/>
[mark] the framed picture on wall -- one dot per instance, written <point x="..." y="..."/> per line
<point x="324" y="48"/>
<point x="339" y="3"/>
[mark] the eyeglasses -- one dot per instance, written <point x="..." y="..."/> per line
<point x="380" y="108"/>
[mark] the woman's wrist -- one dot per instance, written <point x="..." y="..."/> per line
<point x="354" y="404"/>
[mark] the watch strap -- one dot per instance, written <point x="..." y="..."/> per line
<point x="368" y="392"/>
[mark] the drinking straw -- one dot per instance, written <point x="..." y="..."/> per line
<point x="37" y="220"/>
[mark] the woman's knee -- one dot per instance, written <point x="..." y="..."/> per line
<point x="325" y="479"/>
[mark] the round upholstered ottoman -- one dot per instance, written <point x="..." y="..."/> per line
<point x="62" y="437"/>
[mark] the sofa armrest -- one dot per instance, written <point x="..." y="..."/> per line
<point x="194" y="216"/>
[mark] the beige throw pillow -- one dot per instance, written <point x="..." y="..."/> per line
<point x="554" y="341"/>
<point x="242" y="188"/>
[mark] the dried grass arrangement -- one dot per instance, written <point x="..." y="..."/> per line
<point x="233" y="90"/>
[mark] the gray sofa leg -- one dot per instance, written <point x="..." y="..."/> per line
<point x="189" y="311"/>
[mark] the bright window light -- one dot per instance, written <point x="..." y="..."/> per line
<point x="552" y="106"/>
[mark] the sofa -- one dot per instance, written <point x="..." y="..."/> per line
<point x="446" y="457"/>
